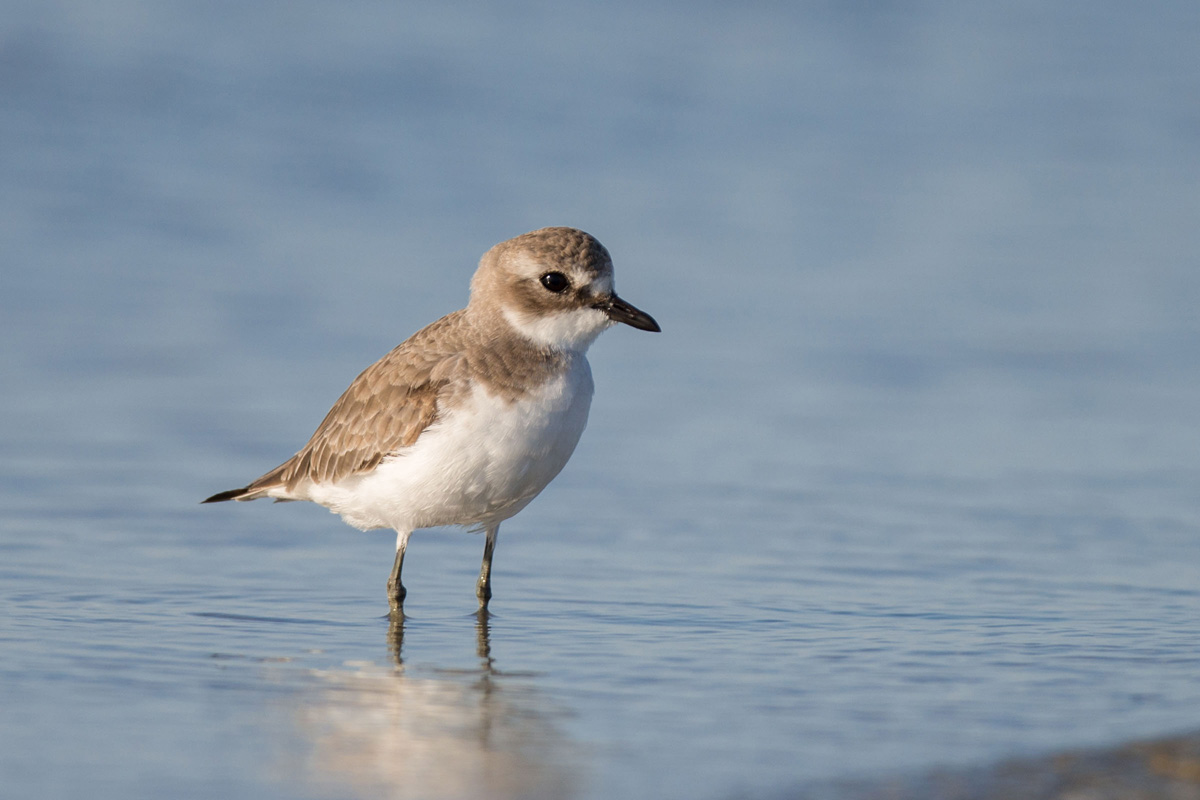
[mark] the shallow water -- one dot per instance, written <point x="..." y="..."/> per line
<point x="908" y="480"/>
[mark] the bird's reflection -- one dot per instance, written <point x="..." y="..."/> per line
<point x="395" y="636"/>
<point x="396" y="732"/>
<point x="483" y="643"/>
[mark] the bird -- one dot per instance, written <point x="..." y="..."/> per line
<point x="469" y="419"/>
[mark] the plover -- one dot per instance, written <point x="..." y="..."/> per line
<point x="470" y="418"/>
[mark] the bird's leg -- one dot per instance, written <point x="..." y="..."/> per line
<point x="483" y="587"/>
<point x="395" y="588"/>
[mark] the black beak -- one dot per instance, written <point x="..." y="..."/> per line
<point x="620" y="311"/>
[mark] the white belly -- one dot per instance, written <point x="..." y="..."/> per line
<point x="480" y="464"/>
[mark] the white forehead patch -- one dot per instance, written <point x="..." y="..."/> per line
<point x="603" y="285"/>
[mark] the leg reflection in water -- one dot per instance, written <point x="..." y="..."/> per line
<point x="415" y="730"/>
<point x="483" y="644"/>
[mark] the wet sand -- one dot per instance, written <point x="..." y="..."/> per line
<point x="1159" y="769"/>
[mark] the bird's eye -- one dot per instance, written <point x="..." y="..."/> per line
<point x="555" y="282"/>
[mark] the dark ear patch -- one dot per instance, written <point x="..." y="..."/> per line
<point x="530" y="298"/>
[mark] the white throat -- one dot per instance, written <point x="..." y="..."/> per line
<point x="568" y="330"/>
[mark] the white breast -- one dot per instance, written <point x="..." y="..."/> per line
<point x="481" y="463"/>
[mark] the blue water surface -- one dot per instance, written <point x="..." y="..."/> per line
<point x="908" y="480"/>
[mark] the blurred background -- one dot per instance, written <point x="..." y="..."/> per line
<point x="909" y="479"/>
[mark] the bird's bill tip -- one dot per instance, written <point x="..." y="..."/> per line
<point x="620" y="311"/>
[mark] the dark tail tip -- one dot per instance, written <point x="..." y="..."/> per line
<point x="232" y="494"/>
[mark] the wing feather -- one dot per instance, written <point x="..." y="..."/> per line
<point x="384" y="410"/>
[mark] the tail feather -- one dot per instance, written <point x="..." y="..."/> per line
<point x="255" y="489"/>
<point x="232" y="494"/>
